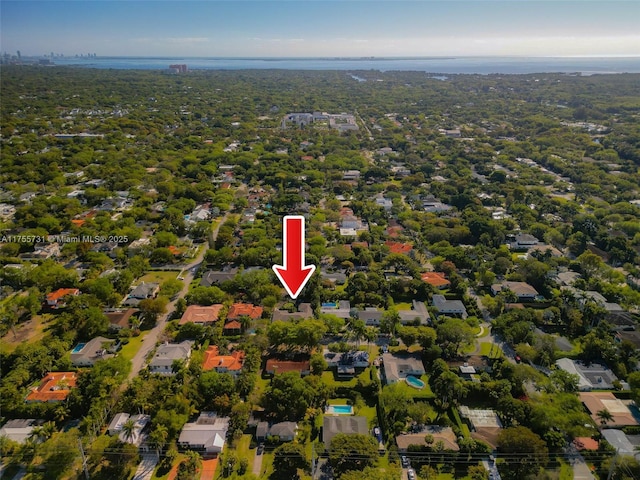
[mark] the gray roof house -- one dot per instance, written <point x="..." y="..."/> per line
<point x="141" y="292"/>
<point x="304" y="312"/>
<point x="523" y="290"/>
<point x="397" y="367"/>
<point x="523" y="241"/>
<point x="332" y="425"/>
<point x="213" y="277"/>
<point x="452" y="308"/>
<point x="20" y="429"/>
<point x="168" y="353"/>
<point x="590" y="377"/>
<point x="207" y="434"/>
<point x="370" y="316"/>
<point x="619" y="440"/>
<point x="342" y="310"/>
<point x="285" y="431"/>
<point x="85" y="355"/>
<point x="418" y="312"/>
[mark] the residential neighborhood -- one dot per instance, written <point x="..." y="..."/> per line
<point x="473" y="313"/>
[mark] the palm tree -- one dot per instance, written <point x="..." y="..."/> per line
<point x="129" y="430"/>
<point x="605" y="416"/>
<point x="44" y="432"/>
<point x="158" y="437"/>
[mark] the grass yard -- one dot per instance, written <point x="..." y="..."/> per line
<point x="485" y="349"/>
<point x="166" y="476"/>
<point x="129" y="350"/>
<point x="330" y="378"/>
<point x="267" y="465"/>
<point x="158" y="276"/>
<point x="26" y="332"/>
<point x="242" y="448"/>
<point x="566" y="472"/>
<point x="403" y="306"/>
<point x="414" y="392"/>
<point x="485" y="331"/>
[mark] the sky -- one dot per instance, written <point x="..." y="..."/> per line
<point x="311" y="28"/>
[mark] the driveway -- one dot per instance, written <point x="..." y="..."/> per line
<point x="146" y="467"/>
<point x="257" y="464"/>
<point x="581" y="470"/>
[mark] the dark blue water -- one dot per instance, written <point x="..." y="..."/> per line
<point x="442" y="65"/>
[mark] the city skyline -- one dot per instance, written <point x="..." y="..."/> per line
<point x="321" y="28"/>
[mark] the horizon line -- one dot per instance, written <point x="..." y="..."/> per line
<point x="334" y="57"/>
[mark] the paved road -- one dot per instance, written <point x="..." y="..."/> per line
<point x="145" y="469"/>
<point x="149" y="342"/>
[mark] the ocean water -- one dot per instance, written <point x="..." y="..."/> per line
<point x="435" y="65"/>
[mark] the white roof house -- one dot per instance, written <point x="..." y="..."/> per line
<point x="207" y="433"/>
<point x="167" y="354"/>
<point x="20" y="429"/>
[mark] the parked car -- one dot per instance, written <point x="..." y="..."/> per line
<point x="405" y="461"/>
<point x="260" y="449"/>
<point x="411" y="474"/>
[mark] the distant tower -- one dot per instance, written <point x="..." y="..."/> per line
<point x="19" y="56"/>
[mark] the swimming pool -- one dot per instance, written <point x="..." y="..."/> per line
<point x="340" y="409"/>
<point x="415" y="382"/>
<point x="78" y="348"/>
<point x="330" y="304"/>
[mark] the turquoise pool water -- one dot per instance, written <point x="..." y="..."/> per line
<point x="340" y="409"/>
<point x="78" y="348"/>
<point x="329" y="304"/>
<point x="415" y="382"/>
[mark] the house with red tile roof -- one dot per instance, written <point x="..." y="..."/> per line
<point x="585" y="443"/>
<point x="231" y="363"/>
<point x="397" y="247"/>
<point x="201" y="315"/>
<point x="436" y="279"/>
<point x="238" y="310"/>
<point x="54" y="387"/>
<point x="56" y="299"/>
<point x="175" y="251"/>
<point x="275" y="366"/>
<point x="234" y="327"/>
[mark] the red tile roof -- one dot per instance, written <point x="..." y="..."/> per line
<point x="233" y="325"/>
<point x="397" y="247"/>
<point x="585" y="443"/>
<point x="281" y="366"/>
<point x="200" y="314"/>
<point x="238" y="310"/>
<point x="394" y="231"/>
<point x="437" y="279"/>
<point x="213" y="359"/>
<point x="60" y="293"/>
<point x="50" y="390"/>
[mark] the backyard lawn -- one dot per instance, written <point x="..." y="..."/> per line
<point x="158" y="276"/>
<point x="26" y="332"/>
<point x="485" y="349"/>
<point x="242" y="449"/>
<point x="414" y="392"/>
<point x="129" y="350"/>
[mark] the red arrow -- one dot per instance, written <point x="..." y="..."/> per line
<point x="293" y="275"/>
